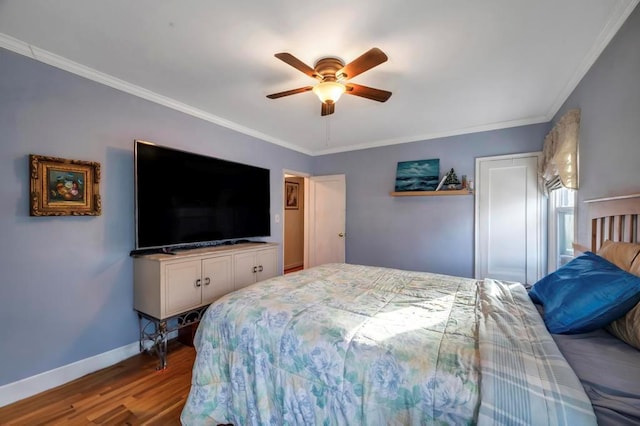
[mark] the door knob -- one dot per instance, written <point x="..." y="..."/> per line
<point x="341" y="234"/>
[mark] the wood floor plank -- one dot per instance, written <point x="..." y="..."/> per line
<point x="131" y="392"/>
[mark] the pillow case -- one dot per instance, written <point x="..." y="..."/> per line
<point x="585" y="294"/>
<point x="619" y="253"/>
<point x="626" y="328"/>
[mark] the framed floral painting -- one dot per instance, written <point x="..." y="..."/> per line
<point x="61" y="187"/>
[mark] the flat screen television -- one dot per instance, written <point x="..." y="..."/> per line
<point x="184" y="198"/>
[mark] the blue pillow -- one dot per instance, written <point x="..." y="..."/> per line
<point x="585" y="294"/>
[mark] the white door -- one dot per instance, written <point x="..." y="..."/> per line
<point x="327" y="210"/>
<point x="509" y="219"/>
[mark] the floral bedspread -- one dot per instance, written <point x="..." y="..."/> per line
<point x="346" y="344"/>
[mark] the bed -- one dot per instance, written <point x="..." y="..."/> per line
<point x="352" y="344"/>
<point x="607" y="360"/>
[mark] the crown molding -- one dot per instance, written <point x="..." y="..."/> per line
<point x="618" y="18"/>
<point x="49" y="58"/>
<point x="431" y="136"/>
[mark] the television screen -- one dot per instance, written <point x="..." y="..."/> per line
<point x="185" y="198"/>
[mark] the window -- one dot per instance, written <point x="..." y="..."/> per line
<point x="561" y="227"/>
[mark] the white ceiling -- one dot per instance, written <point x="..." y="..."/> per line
<point x="454" y="67"/>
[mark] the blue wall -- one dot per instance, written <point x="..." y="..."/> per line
<point x="433" y="234"/>
<point x="436" y="233"/>
<point x="609" y="96"/>
<point x="66" y="289"/>
<point x="66" y="283"/>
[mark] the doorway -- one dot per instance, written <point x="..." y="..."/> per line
<point x="314" y="220"/>
<point x="294" y="222"/>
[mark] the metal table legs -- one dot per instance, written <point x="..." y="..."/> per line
<point x="156" y="331"/>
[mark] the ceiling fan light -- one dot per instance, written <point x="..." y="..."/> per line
<point x="329" y="91"/>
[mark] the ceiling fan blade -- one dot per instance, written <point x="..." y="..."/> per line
<point x="327" y="109"/>
<point x="373" y="57"/>
<point x="290" y="92"/>
<point x="298" y="64"/>
<point x="367" y="92"/>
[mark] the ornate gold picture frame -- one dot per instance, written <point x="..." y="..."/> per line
<point x="61" y="187"/>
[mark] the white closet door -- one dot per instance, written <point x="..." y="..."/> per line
<point x="510" y="219"/>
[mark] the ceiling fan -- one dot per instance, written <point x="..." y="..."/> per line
<point x="334" y="78"/>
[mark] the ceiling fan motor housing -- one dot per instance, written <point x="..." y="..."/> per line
<point x="328" y="67"/>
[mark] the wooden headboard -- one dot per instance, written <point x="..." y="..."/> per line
<point x="615" y="219"/>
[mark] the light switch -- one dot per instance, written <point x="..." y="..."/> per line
<point x="277" y="218"/>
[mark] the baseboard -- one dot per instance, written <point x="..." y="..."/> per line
<point x="293" y="265"/>
<point x="33" y="385"/>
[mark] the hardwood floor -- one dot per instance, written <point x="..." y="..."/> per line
<point x="131" y="392"/>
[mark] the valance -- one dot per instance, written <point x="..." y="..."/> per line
<point x="559" y="165"/>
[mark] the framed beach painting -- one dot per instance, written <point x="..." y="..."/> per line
<point x="418" y="175"/>
<point x="62" y="187"/>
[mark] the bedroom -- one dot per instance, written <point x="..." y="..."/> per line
<point x="66" y="283"/>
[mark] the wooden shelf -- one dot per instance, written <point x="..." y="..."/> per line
<point x="431" y="193"/>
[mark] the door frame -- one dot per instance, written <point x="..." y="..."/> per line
<point x="305" y="252"/>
